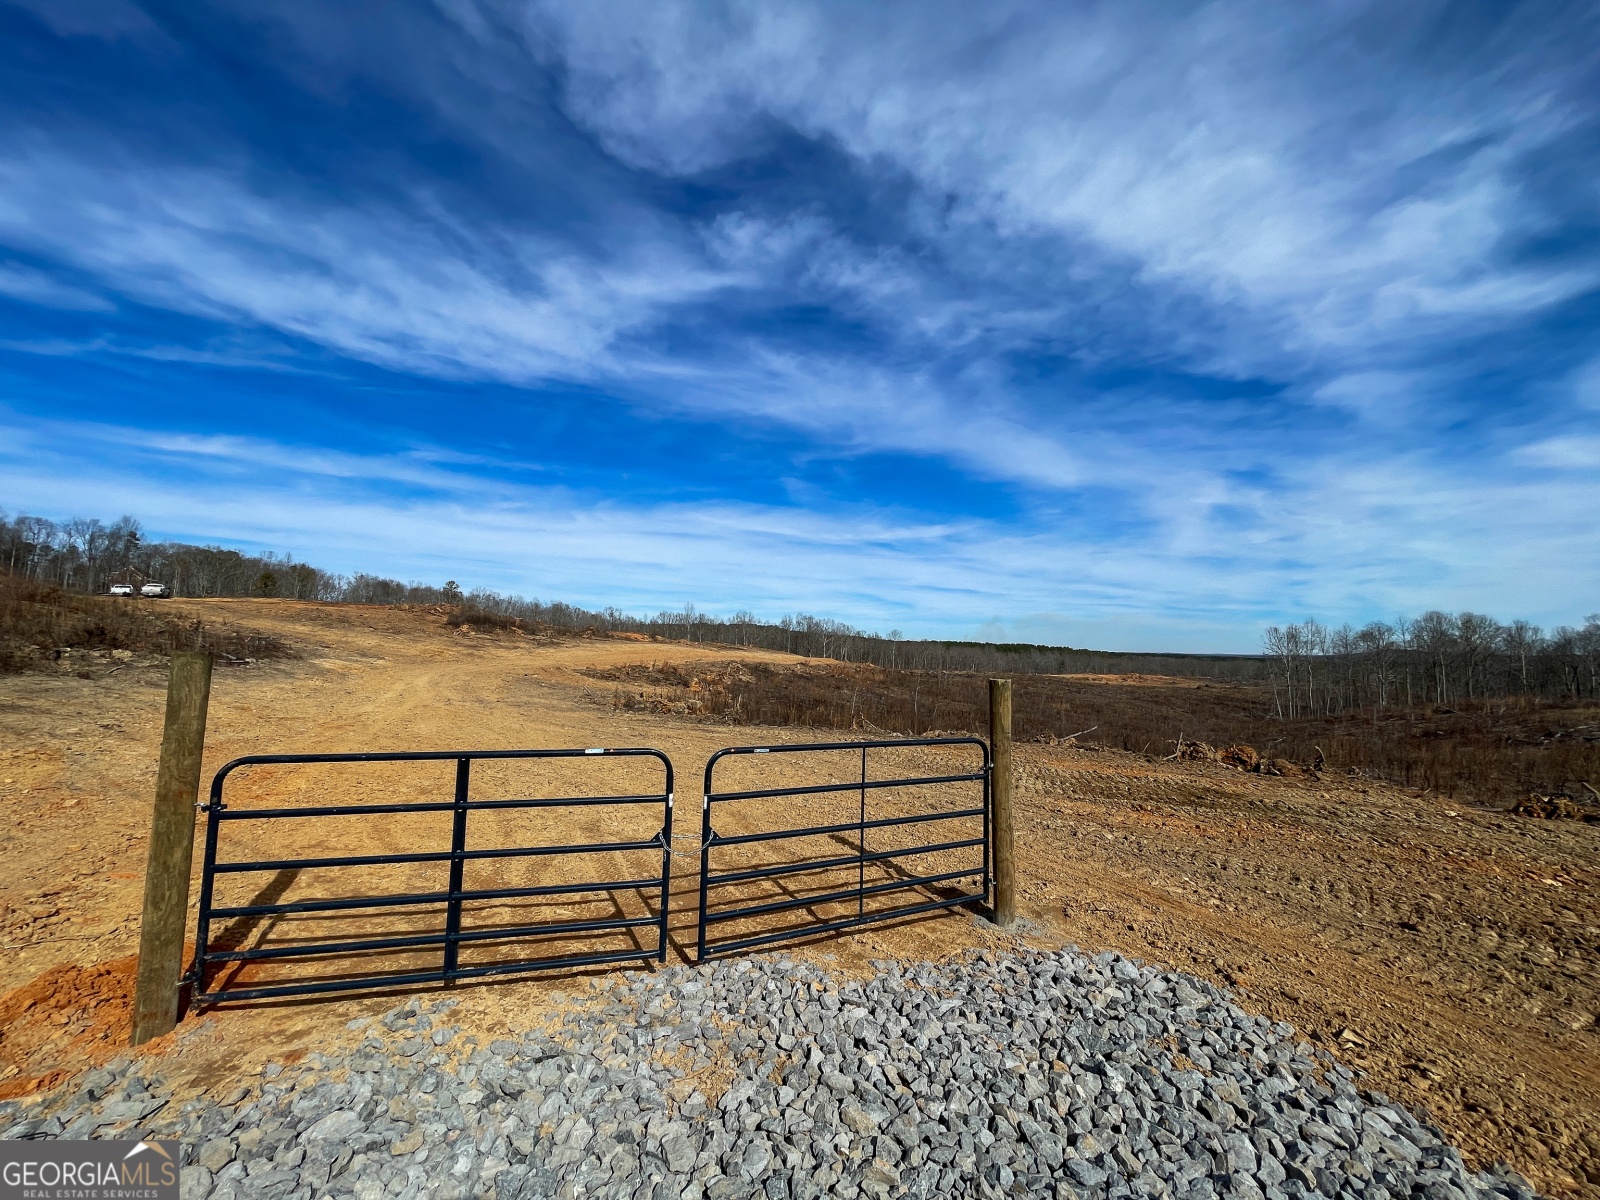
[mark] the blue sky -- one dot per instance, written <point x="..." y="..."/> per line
<point x="1127" y="325"/>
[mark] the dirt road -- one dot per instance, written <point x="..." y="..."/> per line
<point x="1449" y="952"/>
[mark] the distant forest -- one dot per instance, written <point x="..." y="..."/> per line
<point x="1437" y="659"/>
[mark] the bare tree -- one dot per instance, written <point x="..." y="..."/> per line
<point x="1275" y="642"/>
<point x="1435" y="635"/>
<point x="1520" y="639"/>
<point x="1380" y="647"/>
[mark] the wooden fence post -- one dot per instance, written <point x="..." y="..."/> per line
<point x="1000" y="832"/>
<point x="166" y="878"/>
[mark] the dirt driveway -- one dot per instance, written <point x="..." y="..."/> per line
<point x="1452" y="953"/>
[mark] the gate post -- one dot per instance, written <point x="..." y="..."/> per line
<point x="1005" y="865"/>
<point x="171" y="853"/>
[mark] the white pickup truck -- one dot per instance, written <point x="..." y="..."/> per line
<point x="122" y="589"/>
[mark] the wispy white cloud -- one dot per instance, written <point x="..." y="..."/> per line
<point x="393" y="289"/>
<point x="1338" y="547"/>
<point x="1381" y="398"/>
<point x="434" y="468"/>
<point x="1578" y="452"/>
<point x="1189" y="289"/>
<point x="40" y="287"/>
<point x="1585" y="386"/>
<point x="388" y="286"/>
<point x="1238" y="153"/>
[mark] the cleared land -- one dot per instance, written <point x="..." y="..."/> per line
<point x="1449" y="951"/>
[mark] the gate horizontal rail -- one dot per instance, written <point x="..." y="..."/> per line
<point x="453" y="936"/>
<point x="378" y="860"/>
<point x="711" y="839"/>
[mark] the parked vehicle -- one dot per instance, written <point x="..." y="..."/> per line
<point x="156" y="591"/>
<point x="122" y="589"/>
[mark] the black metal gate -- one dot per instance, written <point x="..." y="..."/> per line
<point x="883" y="860"/>
<point x="452" y="937"/>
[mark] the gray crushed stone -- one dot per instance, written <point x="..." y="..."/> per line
<point x="1027" y="1074"/>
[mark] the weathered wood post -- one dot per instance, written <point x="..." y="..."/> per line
<point x="166" y="878"/>
<point x="1000" y="833"/>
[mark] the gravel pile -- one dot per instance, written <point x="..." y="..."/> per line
<point x="1034" y="1074"/>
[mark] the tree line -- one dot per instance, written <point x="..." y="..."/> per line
<point x="87" y="555"/>
<point x="1438" y="658"/>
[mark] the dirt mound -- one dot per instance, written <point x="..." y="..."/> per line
<point x="693" y="689"/>
<point x="1243" y="758"/>
<point x="1551" y="808"/>
<point x="68" y="1014"/>
<point x="1282" y="767"/>
<point x="469" y="619"/>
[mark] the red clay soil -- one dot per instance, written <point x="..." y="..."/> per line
<point x="69" y="1014"/>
